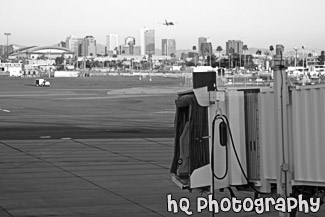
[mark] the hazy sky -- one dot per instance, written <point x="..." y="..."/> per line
<point x="259" y="23"/>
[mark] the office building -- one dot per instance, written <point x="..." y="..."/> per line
<point x="80" y="44"/>
<point x="72" y="43"/>
<point x="4" y="50"/>
<point x="62" y="44"/>
<point x="168" y="47"/>
<point x="201" y="41"/>
<point x="147" y="41"/>
<point x="206" y="49"/>
<point x="137" y="50"/>
<point x="194" y="56"/>
<point x="124" y="49"/>
<point x="234" y="46"/>
<point x="112" y="42"/>
<point x="89" y="46"/>
<point x="184" y="56"/>
<point x="129" y="40"/>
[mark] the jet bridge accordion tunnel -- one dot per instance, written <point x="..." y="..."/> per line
<point x="247" y="156"/>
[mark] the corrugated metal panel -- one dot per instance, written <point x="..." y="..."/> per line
<point x="252" y="137"/>
<point x="308" y="134"/>
<point x="267" y="135"/>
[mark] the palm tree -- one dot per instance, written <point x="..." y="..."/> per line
<point x="271" y="48"/>
<point x="245" y="48"/>
<point x="219" y="49"/>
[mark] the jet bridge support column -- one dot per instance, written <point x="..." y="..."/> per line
<point x="284" y="174"/>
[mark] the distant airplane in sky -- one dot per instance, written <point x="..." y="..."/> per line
<point x="166" y="23"/>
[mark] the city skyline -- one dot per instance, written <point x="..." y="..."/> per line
<point x="259" y="23"/>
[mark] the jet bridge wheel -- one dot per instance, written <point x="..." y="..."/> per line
<point x="307" y="192"/>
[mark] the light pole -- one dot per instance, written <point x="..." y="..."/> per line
<point x="7" y="34"/>
<point x="296" y="50"/>
<point x="239" y="58"/>
<point x="210" y="49"/>
<point x="151" y="65"/>
<point x="210" y="55"/>
<point x="303" y="57"/>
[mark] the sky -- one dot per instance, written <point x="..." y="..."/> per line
<point x="258" y="23"/>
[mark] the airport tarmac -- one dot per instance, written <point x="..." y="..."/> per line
<point x="76" y="150"/>
<point x="94" y="178"/>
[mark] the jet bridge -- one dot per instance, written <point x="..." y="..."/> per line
<point x="262" y="139"/>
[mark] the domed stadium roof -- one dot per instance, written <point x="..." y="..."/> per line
<point x="42" y="49"/>
<point x="54" y="48"/>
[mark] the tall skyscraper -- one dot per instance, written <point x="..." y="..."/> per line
<point x="206" y="49"/>
<point x="80" y="48"/>
<point x="147" y="41"/>
<point x="234" y="46"/>
<point x="168" y="47"/>
<point x="201" y="41"/>
<point x="129" y="40"/>
<point x="111" y="42"/>
<point x="89" y="46"/>
<point x="72" y="43"/>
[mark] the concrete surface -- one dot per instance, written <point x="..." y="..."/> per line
<point x="74" y="150"/>
<point x="93" y="177"/>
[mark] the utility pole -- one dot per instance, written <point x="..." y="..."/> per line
<point x="7" y="34"/>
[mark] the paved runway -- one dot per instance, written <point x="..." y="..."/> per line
<point x="77" y="108"/>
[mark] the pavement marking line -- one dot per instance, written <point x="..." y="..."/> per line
<point x="67" y="138"/>
<point x="108" y="97"/>
<point x="46" y="94"/>
<point x="164" y="112"/>
<point x="6" y="211"/>
<point x="45" y="137"/>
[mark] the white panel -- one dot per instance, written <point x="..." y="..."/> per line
<point x="236" y="116"/>
<point x="219" y="151"/>
<point x="66" y="73"/>
<point x="201" y="177"/>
